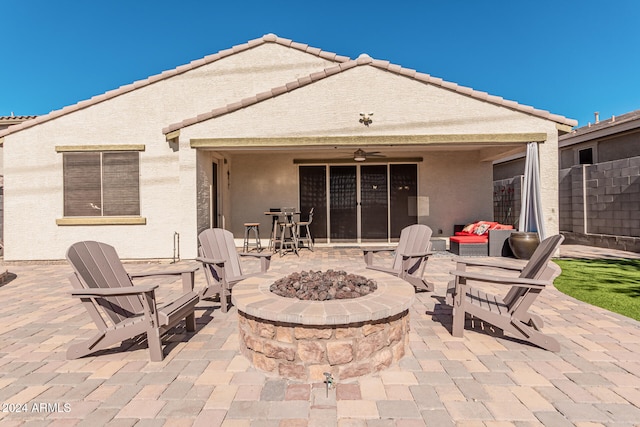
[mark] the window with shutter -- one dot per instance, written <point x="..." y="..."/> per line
<point x="101" y="183"/>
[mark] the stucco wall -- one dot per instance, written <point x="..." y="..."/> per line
<point x="33" y="169"/>
<point x="509" y="169"/>
<point x="459" y="188"/>
<point x="567" y="158"/>
<point x="548" y="155"/>
<point x="401" y="106"/>
<point x="622" y="147"/>
<point x="260" y="182"/>
<point x="614" y="147"/>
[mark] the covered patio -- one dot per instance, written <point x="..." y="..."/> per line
<point x="481" y="379"/>
<point x="437" y="180"/>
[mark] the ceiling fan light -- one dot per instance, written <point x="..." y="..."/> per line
<point x="359" y="156"/>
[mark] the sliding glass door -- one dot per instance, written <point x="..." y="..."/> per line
<point x="355" y="203"/>
<point x="374" y="203"/>
<point x="313" y="194"/>
<point x="343" y="203"/>
<point x="403" y="197"/>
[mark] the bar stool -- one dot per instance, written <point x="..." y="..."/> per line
<point x="307" y="238"/>
<point x="249" y="227"/>
<point x="288" y="235"/>
<point x="274" y="238"/>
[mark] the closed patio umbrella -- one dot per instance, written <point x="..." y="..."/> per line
<point x="531" y="215"/>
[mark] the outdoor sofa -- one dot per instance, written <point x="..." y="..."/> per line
<point x="481" y="238"/>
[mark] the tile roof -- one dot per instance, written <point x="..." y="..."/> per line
<point x="365" y="60"/>
<point x="268" y="38"/>
<point x="606" y="127"/>
<point x="343" y="63"/>
<point x="12" y="120"/>
<point x="16" y="118"/>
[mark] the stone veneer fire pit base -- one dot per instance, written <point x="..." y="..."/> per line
<point x="306" y="352"/>
<point x="304" y="339"/>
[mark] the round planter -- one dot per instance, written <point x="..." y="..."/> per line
<point x="523" y="244"/>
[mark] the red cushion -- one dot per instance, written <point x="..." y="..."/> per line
<point x="504" y="227"/>
<point x="469" y="239"/>
<point x="463" y="233"/>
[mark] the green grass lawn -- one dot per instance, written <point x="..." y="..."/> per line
<point x="613" y="284"/>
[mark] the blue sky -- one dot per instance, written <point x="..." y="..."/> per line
<point x="568" y="57"/>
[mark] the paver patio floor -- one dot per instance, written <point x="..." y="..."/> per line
<point x="478" y="380"/>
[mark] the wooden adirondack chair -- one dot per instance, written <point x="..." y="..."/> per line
<point x="221" y="263"/>
<point x="120" y="309"/>
<point x="410" y="258"/>
<point x="511" y="312"/>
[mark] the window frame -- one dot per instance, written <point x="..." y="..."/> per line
<point x="594" y="153"/>
<point x="102" y="219"/>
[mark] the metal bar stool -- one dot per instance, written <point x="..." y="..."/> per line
<point x="274" y="238"/>
<point x="288" y="235"/>
<point x="248" y="228"/>
<point x="305" y="238"/>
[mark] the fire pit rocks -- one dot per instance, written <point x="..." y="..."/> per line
<point x="323" y="286"/>
<point x="303" y="339"/>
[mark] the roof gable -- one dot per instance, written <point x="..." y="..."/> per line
<point x="268" y="38"/>
<point x="365" y="60"/>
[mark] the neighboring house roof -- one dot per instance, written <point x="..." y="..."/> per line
<point x="16" y="119"/>
<point x="604" y="128"/>
<point x="13" y="120"/>
<point x="344" y="63"/>
<point x="365" y="60"/>
<point x="268" y="38"/>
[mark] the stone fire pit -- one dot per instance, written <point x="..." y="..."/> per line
<point x="303" y="339"/>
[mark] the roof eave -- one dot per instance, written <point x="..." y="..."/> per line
<point x="605" y="132"/>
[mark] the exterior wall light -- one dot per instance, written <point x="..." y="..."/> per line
<point x="365" y="118"/>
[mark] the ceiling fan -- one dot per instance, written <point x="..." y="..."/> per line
<point x="360" y="155"/>
<point x="356" y="156"/>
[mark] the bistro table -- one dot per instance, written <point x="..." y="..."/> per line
<point x="287" y="222"/>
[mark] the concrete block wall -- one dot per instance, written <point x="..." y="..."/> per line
<point x="578" y="199"/>
<point x="600" y="203"/>
<point x="613" y="197"/>
<point x="565" y="202"/>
